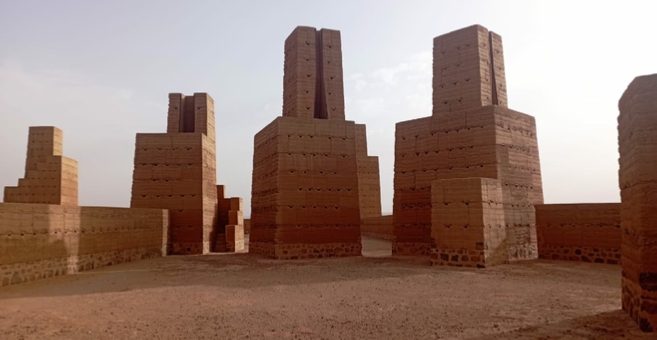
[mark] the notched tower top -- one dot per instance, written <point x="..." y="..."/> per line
<point x="468" y="70"/>
<point x="190" y="114"/>
<point x="313" y="81"/>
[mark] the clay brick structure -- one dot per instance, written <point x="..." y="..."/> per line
<point x="467" y="218"/>
<point x="177" y="171"/>
<point x="579" y="232"/>
<point x="310" y="164"/>
<point x="230" y="232"/>
<point x="471" y="133"/>
<point x="637" y="140"/>
<point x="50" y="178"/>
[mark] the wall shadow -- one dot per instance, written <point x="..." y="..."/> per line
<point x="33" y="243"/>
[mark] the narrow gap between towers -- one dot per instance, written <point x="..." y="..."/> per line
<point x="493" y="82"/>
<point x="321" y="110"/>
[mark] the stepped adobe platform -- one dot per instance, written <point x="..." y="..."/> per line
<point x="50" y="178"/>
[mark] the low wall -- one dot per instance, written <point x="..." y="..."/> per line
<point x="579" y="232"/>
<point x="379" y="227"/>
<point x="39" y="241"/>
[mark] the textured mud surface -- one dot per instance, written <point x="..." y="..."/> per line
<point x="240" y="296"/>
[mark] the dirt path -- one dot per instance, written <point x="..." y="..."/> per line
<point x="244" y="296"/>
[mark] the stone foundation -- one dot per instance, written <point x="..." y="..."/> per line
<point x="583" y="254"/>
<point x="15" y="273"/>
<point x="527" y="251"/>
<point x="632" y="297"/>
<point x="264" y="248"/>
<point x="411" y="248"/>
<point x="316" y="251"/>
<point x="458" y="258"/>
<point x="190" y="248"/>
<point x="298" y="251"/>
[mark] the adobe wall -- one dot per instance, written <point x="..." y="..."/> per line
<point x="637" y="142"/>
<point x="378" y="227"/>
<point x="579" y="232"/>
<point x="39" y="241"/>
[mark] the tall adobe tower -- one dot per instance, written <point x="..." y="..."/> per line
<point x="177" y="171"/>
<point x="637" y="126"/>
<point x="312" y="178"/>
<point x="471" y="134"/>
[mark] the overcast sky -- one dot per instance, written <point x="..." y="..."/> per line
<point x="101" y="71"/>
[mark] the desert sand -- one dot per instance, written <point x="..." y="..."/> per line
<point x="245" y="296"/>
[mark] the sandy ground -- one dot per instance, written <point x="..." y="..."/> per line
<point x="241" y="296"/>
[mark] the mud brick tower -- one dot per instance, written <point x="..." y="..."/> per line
<point x="177" y="171"/>
<point x="637" y="139"/>
<point x="471" y="133"/>
<point x="312" y="178"/>
<point x="50" y="178"/>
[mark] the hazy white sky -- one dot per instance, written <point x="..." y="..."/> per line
<point x="101" y="71"/>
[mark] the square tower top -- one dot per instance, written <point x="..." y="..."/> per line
<point x="468" y="70"/>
